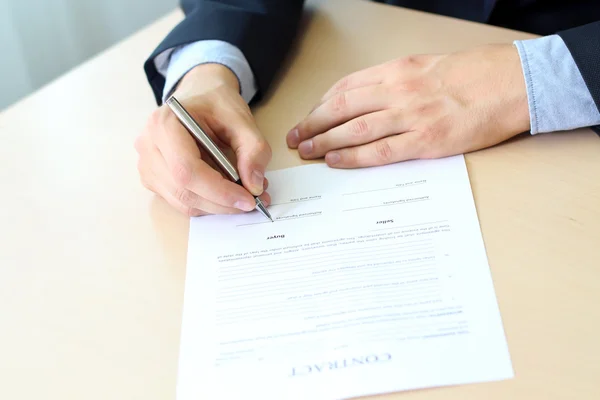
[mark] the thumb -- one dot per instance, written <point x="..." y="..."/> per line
<point x="252" y="151"/>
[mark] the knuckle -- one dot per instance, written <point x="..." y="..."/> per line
<point x="182" y="173"/>
<point x="422" y="109"/>
<point x="359" y="128"/>
<point x="245" y="110"/>
<point x="409" y="85"/>
<point x="156" y="118"/>
<point x="239" y="109"/>
<point x="221" y="190"/>
<point x="341" y="85"/>
<point x="412" y="60"/>
<point x="437" y="128"/>
<point x="383" y="151"/>
<point x="185" y="196"/>
<point x="350" y="157"/>
<point x="263" y="147"/>
<point x="427" y="108"/>
<point x="339" y="102"/>
<point x="320" y="144"/>
<point x="432" y="138"/>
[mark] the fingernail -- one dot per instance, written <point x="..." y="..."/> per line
<point x="244" y="205"/>
<point x="257" y="180"/>
<point x="332" y="158"/>
<point x="306" y="147"/>
<point x="293" y="137"/>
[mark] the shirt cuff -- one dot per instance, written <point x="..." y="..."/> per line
<point x="173" y="64"/>
<point x="558" y="97"/>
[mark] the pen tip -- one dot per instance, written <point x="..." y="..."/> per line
<point x="261" y="207"/>
<point x="268" y="214"/>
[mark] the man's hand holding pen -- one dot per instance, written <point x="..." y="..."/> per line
<point x="172" y="165"/>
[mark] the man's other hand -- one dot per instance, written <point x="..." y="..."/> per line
<point x="424" y="106"/>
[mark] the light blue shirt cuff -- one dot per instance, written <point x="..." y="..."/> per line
<point x="173" y="64"/>
<point x="558" y="97"/>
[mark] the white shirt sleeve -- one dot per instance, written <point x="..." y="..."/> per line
<point x="173" y="64"/>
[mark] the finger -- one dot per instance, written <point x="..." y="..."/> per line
<point x="150" y="162"/>
<point x="339" y="109"/>
<point x="252" y="151"/>
<point x="383" y="151"/>
<point x="404" y="66"/>
<point x="194" y="205"/>
<point x="192" y="201"/>
<point x="183" y="209"/>
<point x="265" y="198"/>
<point x="143" y="147"/>
<point x="188" y="171"/>
<point x="179" y="196"/>
<point x="186" y="201"/>
<point x="361" y="130"/>
<point x="366" y="77"/>
<point x="193" y="212"/>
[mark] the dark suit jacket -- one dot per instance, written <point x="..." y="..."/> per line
<point x="264" y="29"/>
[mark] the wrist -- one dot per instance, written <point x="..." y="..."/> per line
<point x="520" y="101"/>
<point x="510" y="89"/>
<point x="205" y="77"/>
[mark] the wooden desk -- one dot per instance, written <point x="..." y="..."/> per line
<point x="92" y="265"/>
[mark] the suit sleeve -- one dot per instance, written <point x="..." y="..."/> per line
<point x="262" y="29"/>
<point x="584" y="45"/>
<point x="558" y="97"/>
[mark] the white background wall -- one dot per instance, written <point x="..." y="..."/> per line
<point x="42" y="39"/>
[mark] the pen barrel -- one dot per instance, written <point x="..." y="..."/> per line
<point x="203" y="139"/>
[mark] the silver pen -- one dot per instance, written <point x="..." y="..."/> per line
<point x="207" y="144"/>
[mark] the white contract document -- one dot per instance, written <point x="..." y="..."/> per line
<point x="369" y="281"/>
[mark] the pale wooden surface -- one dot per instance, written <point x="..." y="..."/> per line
<point x="92" y="265"/>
